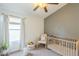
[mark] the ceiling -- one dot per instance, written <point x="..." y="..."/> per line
<point x="26" y="9"/>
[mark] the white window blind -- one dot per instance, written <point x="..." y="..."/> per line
<point x="14" y="28"/>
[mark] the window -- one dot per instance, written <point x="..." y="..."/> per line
<point x="14" y="29"/>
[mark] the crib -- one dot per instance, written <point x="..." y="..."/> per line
<point x="64" y="46"/>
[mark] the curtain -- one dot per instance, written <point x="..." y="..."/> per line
<point x="22" y="34"/>
<point x="5" y="32"/>
<point x="1" y="30"/>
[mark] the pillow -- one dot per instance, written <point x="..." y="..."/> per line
<point x="43" y="37"/>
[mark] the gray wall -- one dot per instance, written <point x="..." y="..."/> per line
<point x="64" y="22"/>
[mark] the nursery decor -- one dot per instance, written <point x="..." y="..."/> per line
<point x="30" y="45"/>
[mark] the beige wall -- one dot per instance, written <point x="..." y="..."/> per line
<point x="64" y="22"/>
<point x="34" y="27"/>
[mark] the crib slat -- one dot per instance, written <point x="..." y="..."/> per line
<point x="68" y="46"/>
<point x="66" y="49"/>
<point x="69" y="49"/>
<point x="77" y="47"/>
<point x="62" y="47"/>
<point x="72" y="48"/>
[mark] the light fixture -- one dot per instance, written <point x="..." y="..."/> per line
<point x="41" y="5"/>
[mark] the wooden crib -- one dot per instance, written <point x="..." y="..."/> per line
<point x="65" y="47"/>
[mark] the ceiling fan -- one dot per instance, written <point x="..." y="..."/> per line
<point x="43" y="6"/>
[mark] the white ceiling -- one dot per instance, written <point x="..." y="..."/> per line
<point x="26" y="9"/>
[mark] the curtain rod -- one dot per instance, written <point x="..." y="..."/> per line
<point x="12" y="15"/>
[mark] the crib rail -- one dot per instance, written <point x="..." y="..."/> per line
<point x="66" y="47"/>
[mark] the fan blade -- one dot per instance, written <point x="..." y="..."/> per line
<point x="54" y="3"/>
<point x="35" y="8"/>
<point x="45" y="8"/>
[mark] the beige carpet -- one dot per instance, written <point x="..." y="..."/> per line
<point x="37" y="52"/>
